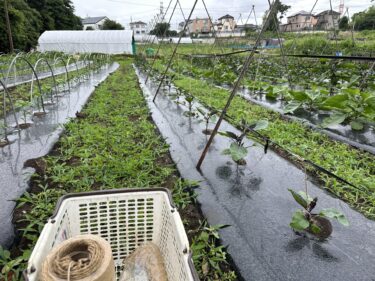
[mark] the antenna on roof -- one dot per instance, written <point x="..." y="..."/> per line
<point x="161" y="8"/>
<point x="341" y="7"/>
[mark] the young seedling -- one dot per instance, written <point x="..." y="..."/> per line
<point x="208" y="116"/>
<point x="189" y="99"/>
<point x="23" y="105"/>
<point x="237" y="149"/>
<point x="317" y="224"/>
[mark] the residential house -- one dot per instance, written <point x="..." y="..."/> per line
<point x="243" y="25"/>
<point x="93" y="23"/>
<point x="139" y="27"/>
<point x="299" y="22"/>
<point x="225" y="24"/>
<point x="199" y="26"/>
<point x="327" y="20"/>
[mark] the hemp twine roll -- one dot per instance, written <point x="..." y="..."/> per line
<point x="82" y="258"/>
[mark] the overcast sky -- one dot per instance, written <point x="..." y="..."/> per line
<point x="125" y="10"/>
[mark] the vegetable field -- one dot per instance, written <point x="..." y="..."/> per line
<point x="269" y="157"/>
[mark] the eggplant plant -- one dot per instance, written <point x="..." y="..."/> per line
<point x="352" y="107"/>
<point x="208" y="116"/>
<point x="237" y="150"/>
<point x="23" y="105"/>
<point x="317" y="224"/>
<point x="309" y="99"/>
<point x="190" y="100"/>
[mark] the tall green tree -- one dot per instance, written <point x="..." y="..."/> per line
<point x="29" y="18"/>
<point x="277" y="14"/>
<point x="25" y="24"/>
<point x="344" y="23"/>
<point x="365" y="20"/>
<point x="112" y="25"/>
<point x="163" y="29"/>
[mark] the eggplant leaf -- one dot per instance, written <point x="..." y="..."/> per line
<point x="337" y="101"/>
<point x="356" y="125"/>
<point x="299" y="199"/>
<point x="335" y="214"/>
<point x="261" y="125"/>
<point x="229" y="134"/>
<point x="335" y="119"/>
<point x="237" y="152"/>
<point x="292" y="106"/>
<point x="299" y="222"/>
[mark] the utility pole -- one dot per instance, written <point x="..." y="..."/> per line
<point x="9" y="30"/>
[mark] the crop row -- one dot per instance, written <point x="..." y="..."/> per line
<point x="113" y="145"/>
<point x="353" y="165"/>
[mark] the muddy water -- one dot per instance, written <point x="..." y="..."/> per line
<point x="35" y="142"/>
<point x="254" y="200"/>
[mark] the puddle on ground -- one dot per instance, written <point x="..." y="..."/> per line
<point x="35" y="142"/>
<point x="254" y="200"/>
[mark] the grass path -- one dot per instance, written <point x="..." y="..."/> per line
<point x="114" y="144"/>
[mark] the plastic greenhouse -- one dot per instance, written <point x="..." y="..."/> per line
<point x="101" y="41"/>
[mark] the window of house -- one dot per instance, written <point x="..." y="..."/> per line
<point x="226" y="27"/>
<point x="137" y="26"/>
<point x="143" y="31"/>
<point x="307" y="18"/>
<point x="137" y="32"/>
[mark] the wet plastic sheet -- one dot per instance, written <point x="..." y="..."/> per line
<point x="254" y="200"/>
<point x="35" y="142"/>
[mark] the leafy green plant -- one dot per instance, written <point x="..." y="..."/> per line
<point x="190" y="101"/>
<point x="208" y="255"/>
<point x="351" y="106"/>
<point x="183" y="193"/>
<point x="308" y="99"/>
<point x="11" y="269"/>
<point x="208" y="116"/>
<point x="237" y="149"/>
<point x="317" y="224"/>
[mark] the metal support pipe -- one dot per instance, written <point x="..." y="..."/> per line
<point x="174" y="51"/>
<point x="234" y="90"/>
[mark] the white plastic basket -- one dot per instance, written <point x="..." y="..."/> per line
<point x="126" y="218"/>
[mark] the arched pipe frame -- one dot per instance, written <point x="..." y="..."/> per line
<point x="6" y="95"/>
<point x="52" y="74"/>
<point x="77" y="68"/>
<point x="67" y="78"/>
<point x="35" y="75"/>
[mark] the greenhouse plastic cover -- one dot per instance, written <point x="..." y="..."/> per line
<point x="98" y="41"/>
<point x="146" y="38"/>
<point x="184" y="40"/>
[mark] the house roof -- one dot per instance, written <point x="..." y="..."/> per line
<point x="328" y="12"/>
<point x="93" y="20"/>
<point x="302" y="13"/>
<point x="226" y="17"/>
<point x="243" y="22"/>
<point x="138" y="22"/>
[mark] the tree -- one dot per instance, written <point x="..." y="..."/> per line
<point x="25" y="23"/>
<point x="112" y="25"/>
<point x="364" y="20"/>
<point x="29" y="18"/>
<point x="344" y="23"/>
<point x="276" y="15"/>
<point x="163" y="29"/>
